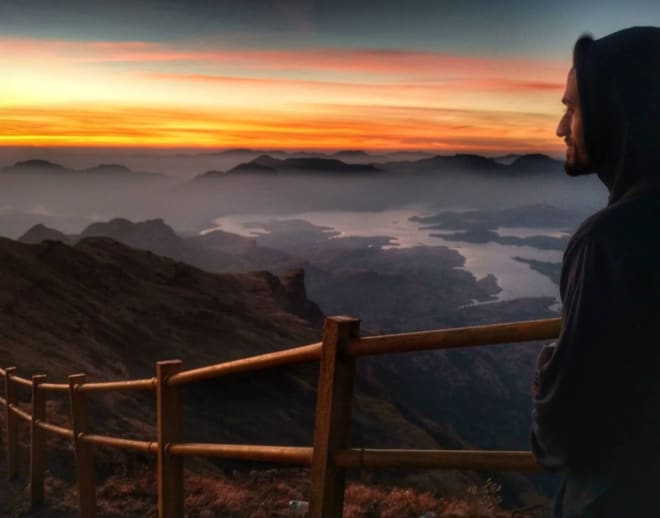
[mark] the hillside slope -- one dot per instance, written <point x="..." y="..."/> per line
<point x="111" y="311"/>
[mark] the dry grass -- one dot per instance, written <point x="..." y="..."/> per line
<point x="263" y="494"/>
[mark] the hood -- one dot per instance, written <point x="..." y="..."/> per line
<point x="618" y="80"/>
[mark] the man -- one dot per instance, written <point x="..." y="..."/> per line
<point x="596" y="412"/>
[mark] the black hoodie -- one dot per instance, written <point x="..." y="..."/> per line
<point x="597" y="411"/>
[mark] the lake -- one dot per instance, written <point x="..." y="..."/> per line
<point x="516" y="279"/>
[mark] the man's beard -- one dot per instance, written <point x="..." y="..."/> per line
<point x="578" y="165"/>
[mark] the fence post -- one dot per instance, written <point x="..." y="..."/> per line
<point x="333" y="417"/>
<point x="38" y="445"/>
<point x="169" y="410"/>
<point x="83" y="451"/>
<point x="12" y="424"/>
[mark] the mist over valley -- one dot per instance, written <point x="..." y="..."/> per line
<point x="404" y="245"/>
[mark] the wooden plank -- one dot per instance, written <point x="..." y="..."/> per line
<point x="83" y="451"/>
<point x="55" y="387"/>
<point x="106" y="386"/>
<point x="22" y="381"/>
<point x="57" y="430"/>
<point x="38" y="443"/>
<point x="459" y="337"/>
<point x="302" y="354"/>
<point x="22" y="414"/>
<point x="12" y="424"/>
<point x="333" y="417"/>
<point x="169" y="407"/>
<point x="280" y="454"/>
<point x="118" y="442"/>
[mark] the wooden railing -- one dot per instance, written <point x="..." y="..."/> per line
<point x="329" y="457"/>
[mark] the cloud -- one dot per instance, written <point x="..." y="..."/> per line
<point x="202" y="94"/>
<point x="388" y="62"/>
<point x="338" y="127"/>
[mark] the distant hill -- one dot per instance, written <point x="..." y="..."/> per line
<point x="535" y="163"/>
<point x="38" y="166"/>
<point x="39" y="233"/>
<point x="400" y="156"/>
<point x="351" y="155"/>
<point x="458" y="162"/>
<point x="35" y="165"/>
<point x="215" y="251"/>
<point x="266" y="164"/>
<point x="109" y="169"/>
<point x="152" y="235"/>
<point x="509" y="165"/>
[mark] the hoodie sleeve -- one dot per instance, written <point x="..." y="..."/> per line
<point x="583" y="382"/>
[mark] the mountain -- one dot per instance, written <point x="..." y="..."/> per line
<point x="351" y="155"/>
<point x="403" y="163"/>
<point x="535" y="163"/>
<point x="458" y="162"/>
<point x="36" y="165"/>
<point x="432" y="291"/>
<point x="45" y="167"/>
<point x="153" y="235"/>
<point x="253" y="168"/>
<point x="265" y="164"/>
<point x="215" y="251"/>
<point x="111" y="311"/>
<point x="39" y="233"/>
<point x="102" y="299"/>
<point x="399" y="156"/>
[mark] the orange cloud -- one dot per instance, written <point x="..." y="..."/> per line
<point x="451" y="85"/>
<point x="133" y="93"/>
<point x="346" y="127"/>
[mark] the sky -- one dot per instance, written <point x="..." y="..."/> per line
<point x="444" y="76"/>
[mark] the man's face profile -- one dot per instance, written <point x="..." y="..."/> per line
<point x="570" y="129"/>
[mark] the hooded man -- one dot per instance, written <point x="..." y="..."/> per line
<point x="596" y="407"/>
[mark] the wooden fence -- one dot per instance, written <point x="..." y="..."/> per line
<point x="330" y="455"/>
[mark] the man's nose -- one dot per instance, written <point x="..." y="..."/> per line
<point x="563" y="126"/>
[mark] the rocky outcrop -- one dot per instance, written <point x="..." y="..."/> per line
<point x="295" y="297"/>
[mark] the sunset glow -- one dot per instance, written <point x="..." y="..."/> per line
<point x="135" y="93"/>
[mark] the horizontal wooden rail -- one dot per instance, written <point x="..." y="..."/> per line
<point x="54" y="387"/>
<point x="454" y="338"/>
<point x="283" y="454"/>
<point x="447" y="459"/>
<point x="142" y="384"/>
<point x="22" y="381"/>
<point x="20" y="413"/>
<point x="302" y="354"/>
<point x="57" y="430"/>
<point x="118" y="442"/>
